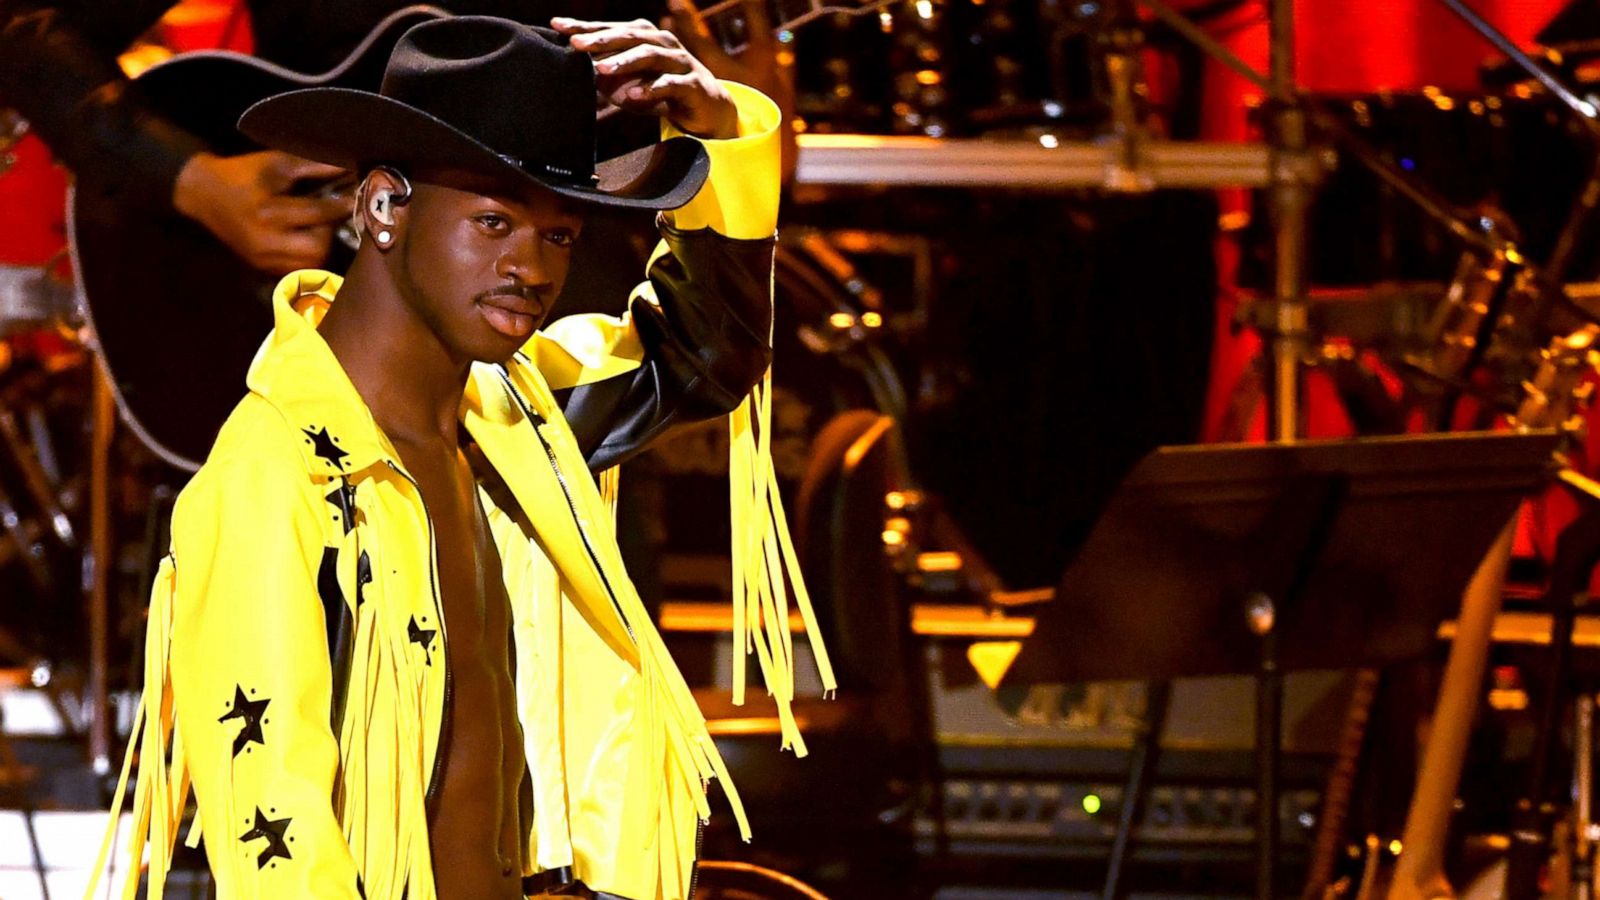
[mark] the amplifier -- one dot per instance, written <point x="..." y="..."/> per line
<point x="1068" y="817"/>
<point x="1039" y="772"/>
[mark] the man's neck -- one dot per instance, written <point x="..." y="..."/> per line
<point x="407" y="377"/>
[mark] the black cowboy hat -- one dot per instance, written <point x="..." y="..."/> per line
<point x="487" y="95"/>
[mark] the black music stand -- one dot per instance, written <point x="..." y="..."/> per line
<point x="1260" y="559"/>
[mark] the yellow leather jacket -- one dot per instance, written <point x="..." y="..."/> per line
<point x="296" y="659"/>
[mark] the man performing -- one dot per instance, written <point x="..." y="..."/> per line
<point x="394" y="649"/>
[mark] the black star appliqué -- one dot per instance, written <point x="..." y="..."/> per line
<point x="250" y="711"/>
<point x="423" y="636"/>
<point x="343" y="499"/>
<point x="272" y="830"/>
<point x="323" y="446"/>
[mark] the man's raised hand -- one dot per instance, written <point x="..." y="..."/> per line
<point x="641" y="68"/>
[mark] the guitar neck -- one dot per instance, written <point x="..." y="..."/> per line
<point x="729" y="25"/>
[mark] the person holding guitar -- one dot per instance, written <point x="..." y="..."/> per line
<point x="58" y="67"/>
<point x="394" y="649"/>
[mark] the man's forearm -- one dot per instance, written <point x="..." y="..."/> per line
<point x="58" y="67"/>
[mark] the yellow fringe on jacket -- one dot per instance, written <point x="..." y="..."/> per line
<point x="766" y="567"/>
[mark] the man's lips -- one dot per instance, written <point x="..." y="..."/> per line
<point x="521" y="304"/>
<point x="513" y="315"/>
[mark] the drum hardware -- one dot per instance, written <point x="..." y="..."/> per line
<point x="1561" y="58"/>
<point x="44" y="447"/>
<point x="26" y="444"/>
<point x="1289" y="344"/>
<point x="1120" y="47"/>
<point x="1460" y="329"/>
<point x="1586" y="111"/>
<point x="918" y="250"/>
<point x="98" y="564"/>
<point x="31" y="297"/>
<point x="24" y="534"/>
<point x="841" y="269"/>
<point x="22" y="542"/>
<point x="39" y="484"/>
<point x="1583" y="827"/>
<point x="854" y="333"/>
<point x="1482" y="323"/>
<point x="1045" y="163"/>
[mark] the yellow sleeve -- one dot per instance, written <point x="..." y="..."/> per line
<point x="251" y="680"/>
<point x="740" y="197"/>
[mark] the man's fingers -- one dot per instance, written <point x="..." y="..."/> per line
<point x="634" y="97"/>
<point x="645" y="58"/>
<point x="566" y="25"/>
<point x="569" y="25"/>
<point x="301" y="212"/>
<point x="668" y="88"/>
<point x="618" y="38"/>
<point x="283" y="170"/>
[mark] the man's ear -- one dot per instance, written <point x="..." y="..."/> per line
<point x="382" y="193"/>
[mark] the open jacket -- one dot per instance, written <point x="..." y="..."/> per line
<point x="297" y="673"/>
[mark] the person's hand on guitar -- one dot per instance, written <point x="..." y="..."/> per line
<point x="246" y="202"/>
<point x="640" y="68"/>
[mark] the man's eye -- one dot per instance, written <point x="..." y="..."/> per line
<point x="493" y="222"/>
<point x="561" y="238"/>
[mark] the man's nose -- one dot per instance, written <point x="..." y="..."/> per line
<point x="523" y="261"/>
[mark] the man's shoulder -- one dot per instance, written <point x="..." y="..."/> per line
<point x="256" y="432"/>
<point x="256" y="452"/>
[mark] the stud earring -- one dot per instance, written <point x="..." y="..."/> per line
<point x="384" y="237"/>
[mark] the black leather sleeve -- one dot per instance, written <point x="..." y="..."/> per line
<point x="58" y="68"/>
<point x="705" y="346"/>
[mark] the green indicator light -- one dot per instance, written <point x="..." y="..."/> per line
<point x="1091" y="803"/>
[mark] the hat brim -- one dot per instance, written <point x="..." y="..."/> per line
<point x="350" y="128"/>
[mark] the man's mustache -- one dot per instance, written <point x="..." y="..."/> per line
<point x="525" y="292"/>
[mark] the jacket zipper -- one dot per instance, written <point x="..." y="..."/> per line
<point x="699" y="845"/>
<point x="444" y="653"/>
<point x="572" y="505"/>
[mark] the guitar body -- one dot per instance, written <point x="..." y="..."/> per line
<point x="176" y="316"/>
